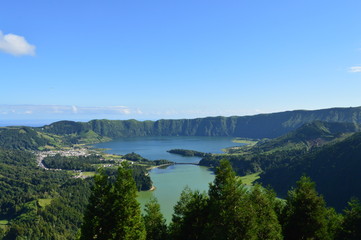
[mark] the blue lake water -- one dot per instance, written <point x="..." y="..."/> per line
<point x="155" y="148"/>
<point x="170" y="181"/>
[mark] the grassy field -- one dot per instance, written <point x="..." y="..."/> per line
<point x="245" y="141"/>
<point x="247" y="144"/>
<point x="4" y="222"/>
<point x="249" y="179"/>
<point x="108" y="156"/>
<point x="88" y="174"/>
<point x="43" y="202"/>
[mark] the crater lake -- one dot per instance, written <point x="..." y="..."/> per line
<point x="170" y="181"/>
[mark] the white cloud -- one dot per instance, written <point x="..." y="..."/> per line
<point x="355" y="69"/>
<point x="106" y="110"/>
<point x="75" y="109"/>
<point x="15" y="45"/>
<point x="64" y="109"/>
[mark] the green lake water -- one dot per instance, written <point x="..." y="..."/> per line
<point x="170" y="181"/>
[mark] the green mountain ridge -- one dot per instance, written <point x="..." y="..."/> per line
<point x="257" y="126"/>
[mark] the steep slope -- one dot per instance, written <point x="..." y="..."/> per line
<point x="335" y="168"/>
<point x="309" y="135"/>
<point x="26" y="138"/>
<point x="282" y="150"/>
<point x="258" y="126"/>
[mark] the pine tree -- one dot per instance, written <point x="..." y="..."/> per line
<point x="154" y="221"/>
<point x="126" y="216"/>
<point x="230" y="217"/>
<point x="113" y="211"/>
<point x="96" y="223"/>
<point x="190" y="216"/>
<point x="351" y="226"/>
<point x="334" y="222"/>
<point x="263" y="203"/>
<point x="305" y="213"/>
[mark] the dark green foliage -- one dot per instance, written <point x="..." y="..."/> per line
<point x="96" y="216"/>
<point x="262" y="204"/>
<point x="190" y="216"/>
<point x="258" y="126"/>
<point x="21" y="138"/>
<point x="128" y="223"/>
<point x="65" y="127"/>
<point x="305" y="215"/>
<point x="351" y="225"/>
<point x="334" y="167"/>
<point x="84" y="163"/>
<point x="134" y="157"/>
<point x="187" y="153"/>
<point x="162" y="161"/>
<point x="334" y="221"/>
<point x="141" y="178"/>
<point x="87" y="163"/>
<point x="119" y="213"/>
<point x="230" y="211"/>
<point x="154" y="221"/>
<point x="311" y="134"/>
<point x="230" y="217"/>
<point x="318" y="149"/>
<point x="22" y="183"/>
<point x="139" y="159"/>
<point x="270" y="154"/>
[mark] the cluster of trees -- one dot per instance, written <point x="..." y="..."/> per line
<point x="84" y="163"/>
<point x="39" y="204"/>
<point x="327" y="152"/>
<point x="45" y="204"/>
<point x="335" y="165"/>
<point x="188" y="153"/>
<point x="271" y="153"/>
<point x="135" y="157"/>
<point x="21" y="181"/>
<point x="21" y="138"/>
<point x="228" y="211"/>
<point x="113" y="212"/>
<point x="91" y="163"/>
<point x="141" y="177"/>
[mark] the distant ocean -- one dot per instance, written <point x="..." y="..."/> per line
<point x="25" y="122"/>
<point x="42" y="122"/>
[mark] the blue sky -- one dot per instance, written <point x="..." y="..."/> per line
<point x="81" y="60"/>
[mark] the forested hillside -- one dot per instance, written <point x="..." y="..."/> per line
<point x="257" y="126"/>
<point x="38" y="204"/>
<point x="335" y="168"/>
<point x="26" y="138"/>
<point x="328" y="152"/>
<point x="270" y="153"/>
